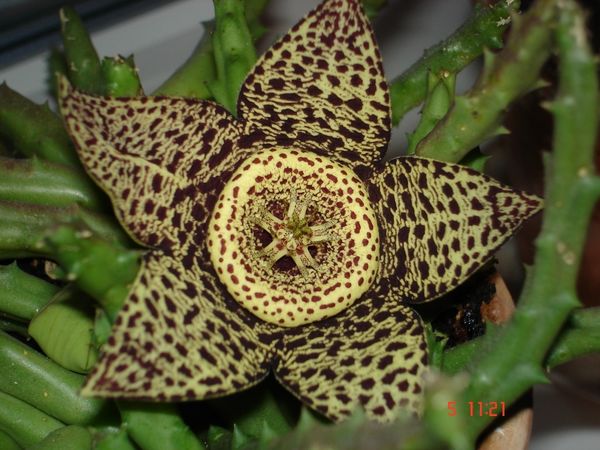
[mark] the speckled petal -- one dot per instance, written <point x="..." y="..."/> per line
<point x="439" y="223"/>
<point x="163" y="161"/>
<point x="321" y="87"/>
<point x="373" y="354"/>
<point x="179" y="337"/>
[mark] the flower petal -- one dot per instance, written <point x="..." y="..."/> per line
<point x="321" y="88"/>
<point x="161" y="160"/>
<point x="439" y="223"/>
<point x="372" y="354"/>
<point x="178" y="337"/>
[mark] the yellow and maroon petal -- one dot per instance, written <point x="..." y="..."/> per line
<point x="161" y="160"/>
<point x="179" y="337"/>
<point x="439" y="223"/>
<point x="372" y="355"/>
<point x="321" y="87"/>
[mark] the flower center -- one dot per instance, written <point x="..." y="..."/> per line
<point x="293" y="237"/>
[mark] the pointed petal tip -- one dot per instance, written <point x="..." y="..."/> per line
<point x="64" y="85"/>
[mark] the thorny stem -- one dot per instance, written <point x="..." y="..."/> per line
<point x="35" y="181"/>
<point x="23" y="227"/>
<point x="193" y="77"/>
<point x="580" y="337"/>
<point x="234" y="52"/>
<point x="571" y="192"/>
<point x="83" y="64"/>
<point x="34" y="129"/>
<point x="507" y="75"/>
<point x="121" y="77"/>
<point x="483" y="29"/>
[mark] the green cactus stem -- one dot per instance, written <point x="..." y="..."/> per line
<point x="440" y="95"/>
<point x="64" y="331"/>
<point x="157" y="426"/>
<point x="13" y="326"/>
<point x="482" y="30"/>
<point x="233" y="51"/>
<point x="100" y="268"/>
<point x="253" y="10"/>
<point x="372" y="7"/>
<point x="248" y="411"/>
<point x="121" y="77"/>
<point x="45" y="385"/>
<point x="57" y="65"/>
<point x="8" y="443"/>
<point x="22" y="295"/>
<point x="41" y="182"/>
<point x="193" y="77"/>
<point x="83" y="64"/>
<point x="34" y="129"/>
<point x="71" y="437"/>
<point x="580" y="337"/>
<point x="25" y="424"/>
<point x="23" y="228"/>
<point x="112" y="439"/>
<point x="572" y="190"/>
<point x="512" y="72"/>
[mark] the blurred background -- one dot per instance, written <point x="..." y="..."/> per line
<point x="162" y="34"/>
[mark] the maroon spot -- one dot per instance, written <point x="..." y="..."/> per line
<point x="334" y="100"/>
<point x="355" y="104"/>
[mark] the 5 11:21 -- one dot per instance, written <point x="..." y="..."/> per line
<point x="491" y="409"/>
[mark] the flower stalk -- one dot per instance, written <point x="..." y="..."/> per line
<point x="440" y="95"/>
<point x="157" y="426"/>
<point x="100" y="268"/>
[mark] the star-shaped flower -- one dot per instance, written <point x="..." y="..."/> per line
<point x="280" y="240"/>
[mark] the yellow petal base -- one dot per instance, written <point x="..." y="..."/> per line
<point x="293" y="237"/>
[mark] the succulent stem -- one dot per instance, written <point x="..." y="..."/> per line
<point x="22" y="295"/>
<point x="34" y="129"/>
<point x="45" y="385"/>
<point x="41" y="182"/>
<point x="572" y="190"/>
<point x="482" y="30"/>
<point x="507" y="75"/>
<point x="83" y="64"/>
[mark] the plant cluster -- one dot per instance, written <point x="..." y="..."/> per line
<point x="69" y="265"/>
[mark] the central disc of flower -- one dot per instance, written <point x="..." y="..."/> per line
<point x="293" y="237"/>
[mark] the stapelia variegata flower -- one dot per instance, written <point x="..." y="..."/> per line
<point x="280" y="241"/>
